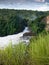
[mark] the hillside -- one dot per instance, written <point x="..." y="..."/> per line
<point x="14" y="21"/>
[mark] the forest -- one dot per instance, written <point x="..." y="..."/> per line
<point x="14" y="21"/>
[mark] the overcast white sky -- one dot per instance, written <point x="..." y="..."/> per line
<point x="41" y="5"/>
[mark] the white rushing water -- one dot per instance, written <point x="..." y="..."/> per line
<point x="15" y="39"/>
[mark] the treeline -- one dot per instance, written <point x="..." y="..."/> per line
<point x="14" y="21"/>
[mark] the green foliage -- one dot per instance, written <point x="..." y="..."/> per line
<point x="35" y="53"/>
<point x="38" y="51"/>
<point x="13" y="55"/>
<point x="37" y="26"/>
<point x="11" y="25"/>
<point x="14" y="21"/>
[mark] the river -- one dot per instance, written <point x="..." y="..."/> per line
<point x="14" y="39"/>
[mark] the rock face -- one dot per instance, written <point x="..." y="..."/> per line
<point x="46" y="21"/>
<point x="29" y="34"/>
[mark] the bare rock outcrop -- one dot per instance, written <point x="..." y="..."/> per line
<point x="46" y="21"/>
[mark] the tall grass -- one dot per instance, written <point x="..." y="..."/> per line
<point x="38" y="51"/>
<point x="13" y="55"/>
<point x="35" y="53"/>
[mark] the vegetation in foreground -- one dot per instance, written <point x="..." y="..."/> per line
<point x="35" y="53"/>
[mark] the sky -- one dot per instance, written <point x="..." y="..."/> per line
<point x="40" y="5"/>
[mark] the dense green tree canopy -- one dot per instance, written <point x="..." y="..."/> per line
<point x="14" y="21"/>
<point x="11" y="25"/>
